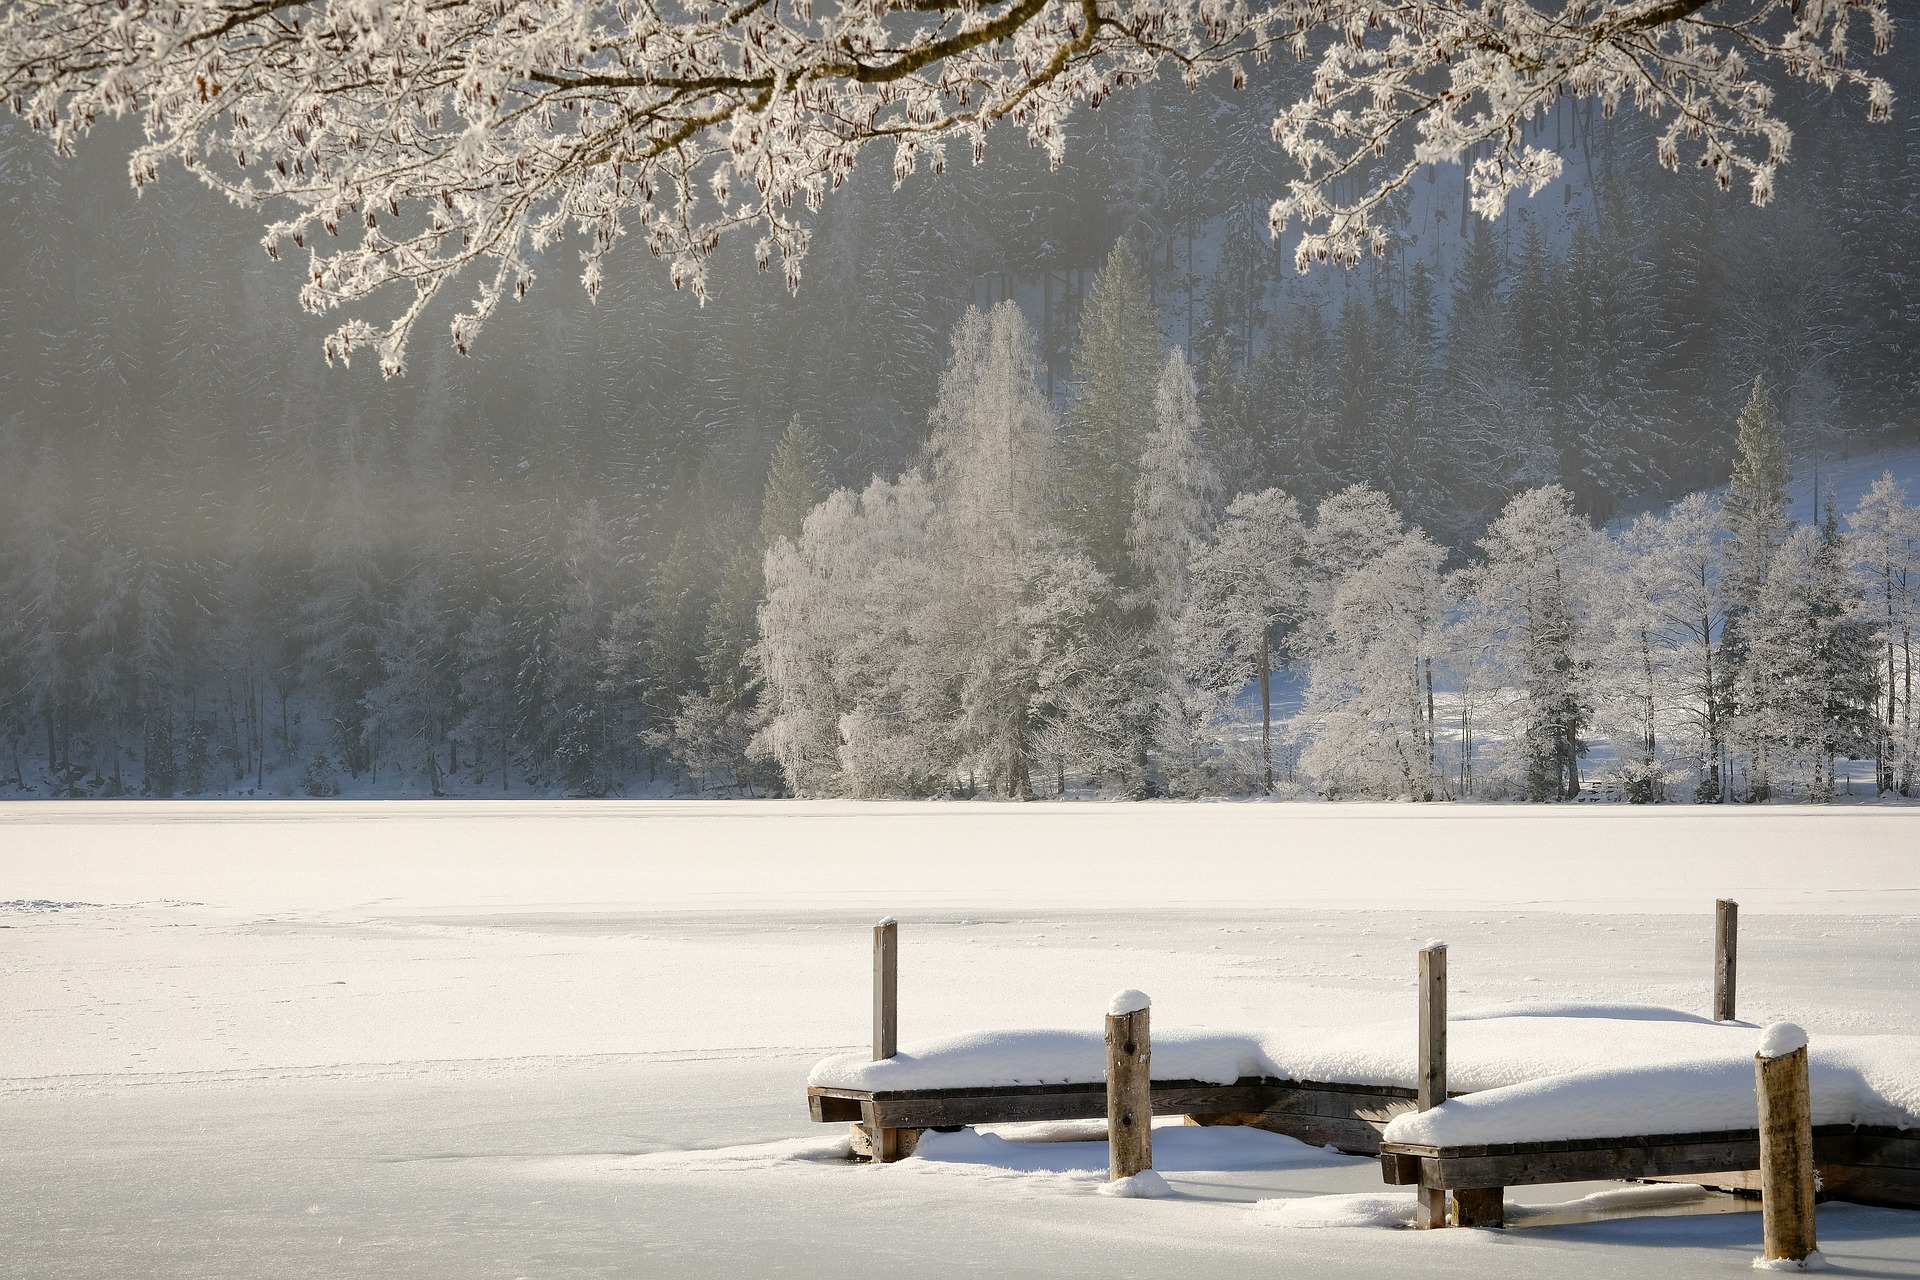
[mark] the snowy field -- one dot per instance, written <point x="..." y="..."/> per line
<point x="552" y="1039"/>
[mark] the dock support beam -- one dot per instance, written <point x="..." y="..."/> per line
<point x="1726" y="957"/>
<point x="1129" y="1086"/>
<point x="1786" y="1145"/>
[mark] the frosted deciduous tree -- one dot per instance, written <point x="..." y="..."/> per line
<point x="1534" y="584"/>
<point x="1370" y="704"/>
<point x="926" y="633"/>
<point x="1350" y="528"/>
<point x="837" y="636"/>
<point x="448" y="136"/>
<point x="1249" y="586"/>
<point x="1884" y="533"/>
<point x="1661" y="666"/>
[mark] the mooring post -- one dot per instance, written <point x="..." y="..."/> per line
<point x="1726" y="956"/>
<point x="1129" y="1085"/>
<point x="1430" y="1089"/>
<point x="1786" y="1144"/>
<point x="881" y="1144"/>
<point x="886" y="989"/>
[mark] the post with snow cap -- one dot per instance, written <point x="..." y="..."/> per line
<point x="1129" y="1085"/>
<point x="1786" y="1148"/>
<point x="1726" y="956"/>
<point x="886" y="989"/>
<point x="1430" y="1088"/>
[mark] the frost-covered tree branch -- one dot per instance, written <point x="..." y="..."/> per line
<point x="422" y="139"/>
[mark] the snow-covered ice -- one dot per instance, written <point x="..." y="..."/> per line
<point x="572" y="1039"/>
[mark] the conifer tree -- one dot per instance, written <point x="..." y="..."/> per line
<point x="1756" y="497"/>
<point x="1175" y="504"/>
<point x="1810" y="681"/>
<point x="1175" y="497"/>
<point x="797" y="482"/>
<point x="1757" y="525"/>
<point x="1116" y="370"/>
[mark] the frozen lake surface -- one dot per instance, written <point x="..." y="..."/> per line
<point x="552" y="1039"/>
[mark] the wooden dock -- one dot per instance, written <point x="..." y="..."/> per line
<point x="1864" y="1164"/>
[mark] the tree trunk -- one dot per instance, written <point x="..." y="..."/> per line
<point x="1266" y="708"/>
<point x="1433" y="728"/>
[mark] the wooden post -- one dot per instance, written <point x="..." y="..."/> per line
<point x="881" y="1145"/>
<point x="1480" y="1207"/>
<point x="886" y="989"/>
<point x="1129" y="1086"/>
<point x="1726" y="957"/>
<point x="1430" y="1208"/>
<point x="1786" y="1144"/>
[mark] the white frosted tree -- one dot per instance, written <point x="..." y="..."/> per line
<point x="996" y="473"/>
<point x="927" y="633"/>
<point x="1350" y="528"/>
<point x="1534" y="589"/>
<point x="1660" y="669"/>
<point x="1809" y="683"/>
<point x="1369" y="709"/>
<point x="1176" y="499"/>
<point x="1249" y="586"/>
<point x="839" y="636"/>
<point x="1884" y="532"/>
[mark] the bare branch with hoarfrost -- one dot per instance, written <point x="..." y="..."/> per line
<point x="431" y="137"/>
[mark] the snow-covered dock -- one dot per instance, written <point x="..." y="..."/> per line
<point x="1524" y="1093"/>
